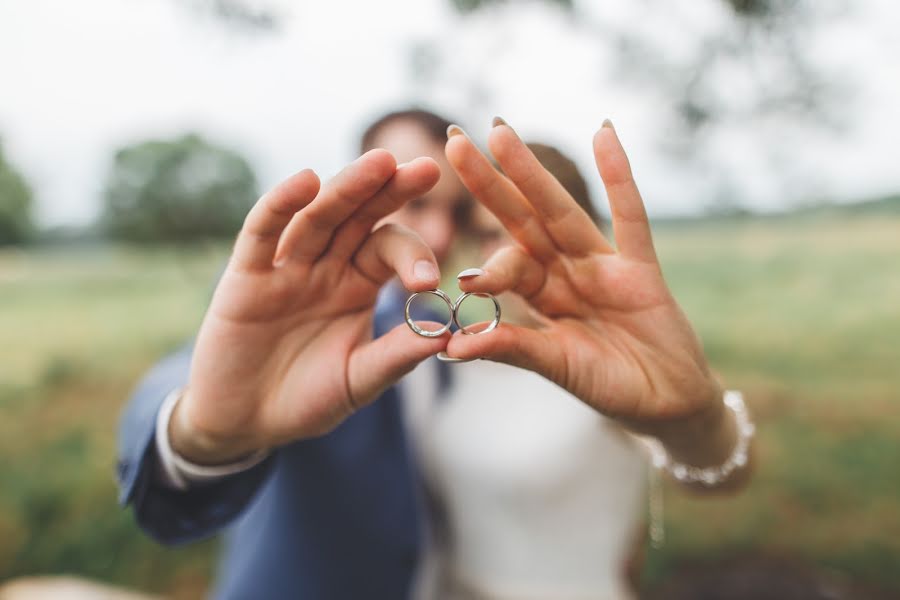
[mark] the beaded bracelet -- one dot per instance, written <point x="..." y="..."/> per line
<point x="715" y="475"/>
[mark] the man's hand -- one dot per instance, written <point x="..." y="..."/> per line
<point x="611" y="333"/>
<point x="285" y="350"/>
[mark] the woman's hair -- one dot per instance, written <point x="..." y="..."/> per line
<point x="435" y="125"/>
<point x="567" y="173"/>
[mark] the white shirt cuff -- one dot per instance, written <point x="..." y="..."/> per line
<point x="178" y="473"/>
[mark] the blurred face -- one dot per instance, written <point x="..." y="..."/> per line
<point x="489" y="236"/>
<point x="487" y="231"/>
<point x="437" y="214"/>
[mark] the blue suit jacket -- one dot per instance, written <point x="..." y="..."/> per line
<point x="331" y="517"/>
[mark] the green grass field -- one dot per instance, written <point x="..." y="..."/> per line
<point x="803" y="314"/>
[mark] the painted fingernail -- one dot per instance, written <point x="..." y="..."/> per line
<point x="608" y="124"/>
<point x="454" y="130"/>
<point x="498" y="121"/>
<point x="425" y="270"/>
<point x="444" y="357"/>
<point x="473" y="272"/>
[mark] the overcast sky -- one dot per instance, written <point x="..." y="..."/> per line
<point x="81" y="78"/>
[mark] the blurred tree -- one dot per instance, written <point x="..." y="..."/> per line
<point x="16" y="225"/>
<point x="755" y="39"/>
<point x="180" y="190"/>
<point x="467" y="6"/>
<point x="249" y="17"/>
<point x="712" y="65"/>
<point x="759" y="38"/>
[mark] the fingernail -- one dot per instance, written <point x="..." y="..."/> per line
<point x="444" y="357"/>
<point x="454" y="130"/>
<point x="401" y="165"/>
<point x="425" y="270"/>
<point x="498" y="121"/>
<point x="608" y="124"/>
<point x="473" y="272"/>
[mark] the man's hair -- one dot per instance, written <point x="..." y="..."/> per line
<point x="435" y="125"/>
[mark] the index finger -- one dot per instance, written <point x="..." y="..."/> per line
<point x="570" y="227"/>
<point x="410" y="181"/>
<point x="310" y="231"/>
<point x="258" y="239"/>
<point x="498" y="194"/>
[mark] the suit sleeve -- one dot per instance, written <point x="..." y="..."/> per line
<point x="173" y="516"/>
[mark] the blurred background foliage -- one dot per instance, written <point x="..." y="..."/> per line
<point x="183" y="189"/>
<point x="16" y="224"/>
<point x="795" y="310"/>
<point x="798" y="309"/>
<point x="191" y="188"/>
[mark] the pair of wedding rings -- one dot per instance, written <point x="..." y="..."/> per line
<point x="453" y="307"/>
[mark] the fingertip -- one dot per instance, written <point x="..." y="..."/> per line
<point x="446" y="358"/>
<point x="292" y="193"/>
<point x="610" y="156"/>
<point x="310" y="178"/>
<point x="465" y="285"/>
<point x="379" y="154"/>
<point x="428" y="168"/>
<point x="473" y="288"/>
<point x="471" y="272"/>
<point x="476" y="284"/>
<point x="418" y="175"/>
<point x="455" y="147"/>
<point x="454" y="130"/>
<point x="597" y="144"/>
<point x="500" y="138"/>
<point x="464" y="157"/>
<point x="380" y="159"/>
<point x="606" y="139"/>
<point x="425" y="275"/>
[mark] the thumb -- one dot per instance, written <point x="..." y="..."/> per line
<point x="514" y="345"/>
<point x="378" y="364"/>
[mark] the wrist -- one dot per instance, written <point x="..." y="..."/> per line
<point x="677" y="432"/>
<point x="690" y="462"/>
<point x="704" y="439"/>
<point x="200" y="446"/>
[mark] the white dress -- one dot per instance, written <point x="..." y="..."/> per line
<point x="532" y="494"/>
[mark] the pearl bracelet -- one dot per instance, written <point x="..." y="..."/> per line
<point x="716" y="475"/>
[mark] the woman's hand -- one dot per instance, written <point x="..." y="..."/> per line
<point x="285" y="350"/>
<point x="611" y="333"/>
